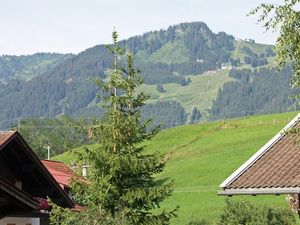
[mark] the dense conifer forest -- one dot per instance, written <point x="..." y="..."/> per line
<point x="261" y="91"/>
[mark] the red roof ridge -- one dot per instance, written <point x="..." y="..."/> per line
<point x="49" y="160"/>
<point x="61" y="172"/>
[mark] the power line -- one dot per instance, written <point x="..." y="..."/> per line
<point x="19" y="121"/>
<point x="211" y="113"/>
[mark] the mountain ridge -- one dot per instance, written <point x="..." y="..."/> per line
<point x="26" y="67"/>
<point x="175" y="55"/>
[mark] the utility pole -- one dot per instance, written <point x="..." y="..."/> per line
<point x="48" y="148"/>
<point x="84" y="170"/>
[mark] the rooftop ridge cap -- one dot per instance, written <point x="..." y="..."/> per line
<point x="259" y="153"/>
<point x="54" y="161"/>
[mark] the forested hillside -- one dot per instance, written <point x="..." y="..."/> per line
<point x="261" y="91"/>
<point x="183" y="67"/>
<point x="28" y="66"/>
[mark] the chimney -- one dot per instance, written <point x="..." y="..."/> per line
<point x="84" y="170"/>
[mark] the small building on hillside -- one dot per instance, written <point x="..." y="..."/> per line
<point x="274" y="169"/>
<point x="226" y="66"/>
<point x="26" y="183"/>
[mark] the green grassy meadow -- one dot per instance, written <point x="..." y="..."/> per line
<point x="201" y="156"/>
<point x="199" y="93"/>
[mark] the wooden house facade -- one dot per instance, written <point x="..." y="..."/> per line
<point x="25" y="184"/>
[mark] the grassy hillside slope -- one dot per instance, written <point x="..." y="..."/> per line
<point x="203" y="89"/>
<point x="202" y="156"/>
<point x="199" y="93"/>
<point x="256" y="47"/>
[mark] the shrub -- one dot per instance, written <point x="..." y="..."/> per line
<point x="244" y="213"/>
<point x="199" y="222"/>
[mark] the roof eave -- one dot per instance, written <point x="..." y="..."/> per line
<point x="45" y="171"/>
<point x="260" y="191"/>
<point x="18" y="193"/>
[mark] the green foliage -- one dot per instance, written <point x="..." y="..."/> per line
<point x="61" y="134"/>
<point x="122" y="177"/>
<point x="93" y="215"/>
<point x="244" y="213"/>
<point x="199" y="222"/>
<point x="203" y="44"/>
<point x="167" y="114"/>
<point x="287" y="19"/>
<point x="195" y="116"/>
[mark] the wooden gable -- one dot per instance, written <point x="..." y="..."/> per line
<point x="26" y="175"/>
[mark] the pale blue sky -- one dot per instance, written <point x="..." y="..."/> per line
<point x="30" y="26"/>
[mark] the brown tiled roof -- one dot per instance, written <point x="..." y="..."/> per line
<point x="274" y="169"/>
<point x="278" y="167"/>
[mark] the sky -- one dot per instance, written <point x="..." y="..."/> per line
<point x="71" y="26"/>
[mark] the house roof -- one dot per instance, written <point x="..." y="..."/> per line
<point x="5" y="136"/>
<point x="273" y="169"/>
<point x="63" y="175"/>
<point x="60" y="177"/>
<point x="60" y="171"/>
<point x="37" y="180"/>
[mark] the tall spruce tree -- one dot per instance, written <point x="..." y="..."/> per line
<point x="195" y="115"/>
<point x="122" y="182"/>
